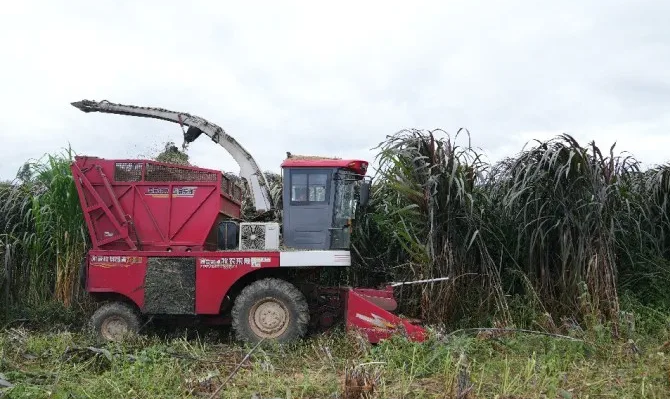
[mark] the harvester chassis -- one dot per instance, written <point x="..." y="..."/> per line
<point x="226" y="300"/>
<point x="170" y="240"/>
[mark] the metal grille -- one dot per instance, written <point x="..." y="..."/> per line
<point x="172" y="173"/>
<point x="225" y="185"/>
<point x="128" y="171"/>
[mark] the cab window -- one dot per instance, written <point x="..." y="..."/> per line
<point x="309" y="187"/>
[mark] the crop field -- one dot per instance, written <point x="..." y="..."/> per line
<point x="558" y="261"/>
<point x="58" y="363"/>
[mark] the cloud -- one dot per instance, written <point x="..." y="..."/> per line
<point x="333" y="79"/>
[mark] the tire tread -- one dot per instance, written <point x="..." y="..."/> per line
<point x="114" y="308"/>
<point x="270" y="286"/>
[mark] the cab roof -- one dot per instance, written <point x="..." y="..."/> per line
<point x="359" y="166"/>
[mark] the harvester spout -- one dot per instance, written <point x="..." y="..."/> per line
<point x="81" y="105"/>
<point x="192" y="134"/>
<point x="249" y="169"/>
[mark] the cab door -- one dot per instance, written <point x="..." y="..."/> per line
<point x="344" y="206"/>
<point x="308" y="208"/>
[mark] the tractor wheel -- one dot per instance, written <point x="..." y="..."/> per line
<point x="114" y="321"/>
<point x="272" y="309"/>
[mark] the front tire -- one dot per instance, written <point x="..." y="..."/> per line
<point x="115" y="321"/>
<point x="270" y="309"/>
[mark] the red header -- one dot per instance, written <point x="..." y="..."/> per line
<point x="356" y="165"/>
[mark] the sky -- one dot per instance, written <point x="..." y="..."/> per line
<point x="333" y="79"/>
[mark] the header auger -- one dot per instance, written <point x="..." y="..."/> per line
<point x="169" y="240"/>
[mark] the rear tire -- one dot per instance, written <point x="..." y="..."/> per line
<point x="272" y="309"/>
<point x="115" y="321"/>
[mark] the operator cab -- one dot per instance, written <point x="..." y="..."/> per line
<point x="320" y="200"/>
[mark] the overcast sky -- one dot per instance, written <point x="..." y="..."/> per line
<point x="333" y="80"/>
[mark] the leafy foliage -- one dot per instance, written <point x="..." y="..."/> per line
<point x="185" y="364"/>
<point x="558" y="231"/>
<point x="428" y="213"/>
<point x="42" y="236"/>
<point x="560" y="225"/>
<point x="172" y="154"/>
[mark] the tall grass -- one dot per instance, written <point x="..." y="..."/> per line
<point x="566" y="205"/>
<point x="275" y="184"/>
<point x="428" y="220"/>
<point x="645" y="270"/>
<point x="561" y="225"/>
<point x="560" y="228"/>
<point x="43" y="235"/>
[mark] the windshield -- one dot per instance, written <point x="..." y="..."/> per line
<point x="344" y="209"/>
<point x="345" y="195"/>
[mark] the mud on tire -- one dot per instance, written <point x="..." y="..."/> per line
<point x="112" y="321"/>
<point x="272" y="309"/>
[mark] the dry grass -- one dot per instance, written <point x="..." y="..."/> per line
<point x="558" y="229"/>
<point x="62" y="364"/>
<point x="547" y="240"/>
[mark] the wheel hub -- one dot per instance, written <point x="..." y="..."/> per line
<point x="269" y="318"/>
<point x="114" y="328"/>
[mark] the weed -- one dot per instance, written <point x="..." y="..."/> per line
<point x="510" y="365"/>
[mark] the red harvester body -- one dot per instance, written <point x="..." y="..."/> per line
<point x="156" y="205"/>
<point x="161" y="242"/>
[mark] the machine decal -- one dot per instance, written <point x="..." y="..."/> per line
<point x="114" y="261"/>
<point x="376" y="321"/>
<point x="179" y="192"/>
<point x="233" y="262"/>
<point x="258" y="262"/>
<point x="184" y="192"/>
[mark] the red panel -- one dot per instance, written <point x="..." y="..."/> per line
<point x="187" y="221"/>
<point x="120" y="272"/>
<point x="231" y="208"/>
<point x="375" y="322"/>
<point x="357" y="165"/>
<point x="150" y="214"/>
<point x="217" y="272"/>
<point x="102" y="212"/>
<point x="123" y="272"/>
<point x="176" y="207"/>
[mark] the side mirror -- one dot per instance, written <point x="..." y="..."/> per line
<point x="364" y="194"/>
